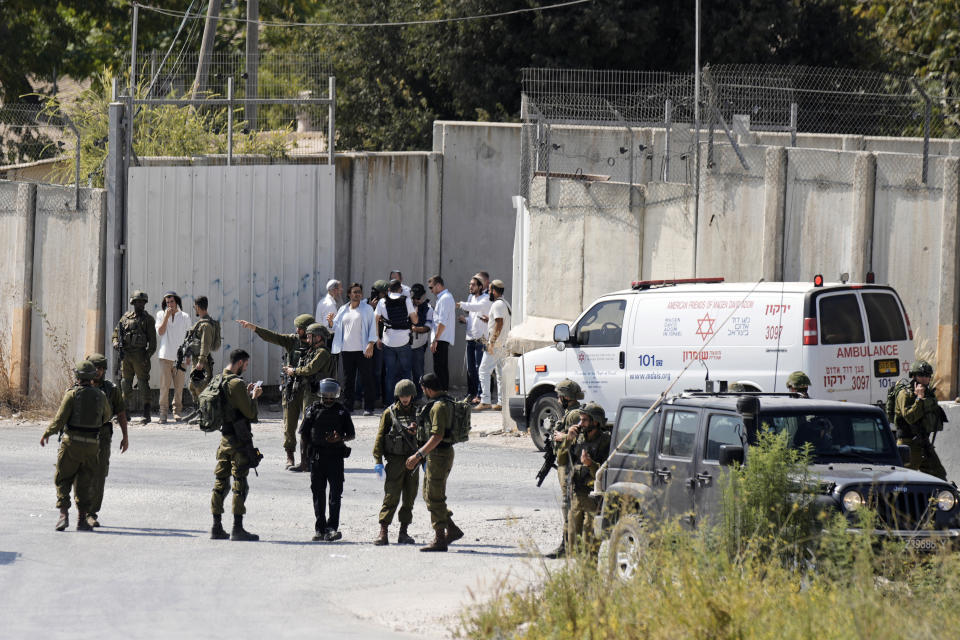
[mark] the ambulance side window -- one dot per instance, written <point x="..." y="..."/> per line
<point x="602" y="325"/>
<point x="840" y="321"/>
<point x="884" y="317"/>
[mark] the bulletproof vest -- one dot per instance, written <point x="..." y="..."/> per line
<point x="108" y="387"/>
<point x="305" y="357"/>
<point x="397" y="316"/>
<point x="323" y="421"/>
<point x="87" y="411"/>
<point x="133" y="334"/>
<point x="398" y="441"/>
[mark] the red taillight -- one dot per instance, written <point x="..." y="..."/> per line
<point x="810" y="331"/>
<point x="540" y="368"/>
<point x="871" y="277"/>
<point x="909" y="328"/>
<point x="818" y="280"/>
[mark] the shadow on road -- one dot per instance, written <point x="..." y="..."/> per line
<point x="143" y="531"/>
<point x="8" y="557"/>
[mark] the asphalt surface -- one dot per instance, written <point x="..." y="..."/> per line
<point x="151" y="570"/>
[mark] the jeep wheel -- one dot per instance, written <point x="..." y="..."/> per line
<point x="627" y="542"/>
<point x="546" y="412"/>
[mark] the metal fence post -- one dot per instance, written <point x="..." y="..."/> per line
<point x="331" y="120"/>
<point x="668" y="122"/>
<point x="230" y="121"/>
<point x="793" y="124"/>
<point x="927" y="106"/>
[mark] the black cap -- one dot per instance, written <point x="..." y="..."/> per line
<point x="418" y="290"/>
<point x="431" y="381"/>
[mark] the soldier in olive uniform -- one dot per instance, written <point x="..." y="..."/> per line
<point x="204" y="332"/>
<point x="396" y="441"/>
<point x="437" y="449"/>
<point x="569" y="394"/>
<point x="315" y="364"/>
<point x="135" y="336"/>
<point x="798" y="382"/>
<point x="236" y="449"/>
<point x="118" y="408"/>
<point x="590" y="448"/>
<point x="82" y="414"/>
<point x="293" y="397"/>
<point x="918" y="418"/>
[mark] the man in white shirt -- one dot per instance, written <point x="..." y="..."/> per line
<point x="172" y="326"/>
<point x="444" y="333"/>
<point x="329" y="304"/>
<point x="396" y="275"/>
<point x="477" y="306"/>
<point x="498" y="326"/>
<point x="397" y="315"/>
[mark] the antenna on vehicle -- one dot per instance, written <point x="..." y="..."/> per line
<point x="707" y="382"/>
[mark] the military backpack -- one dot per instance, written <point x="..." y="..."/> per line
<point x="459" y="430"/>
<point x="212" y="405"/>
<point x="891" y="406"/>
<point x="87" y="412"/>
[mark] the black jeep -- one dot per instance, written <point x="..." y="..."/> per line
<point x="671" y="463"/>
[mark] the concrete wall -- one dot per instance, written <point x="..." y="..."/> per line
<point x="53" y="284"/>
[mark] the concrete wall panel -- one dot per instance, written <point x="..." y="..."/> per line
<point x="667" y="250"/>
<point x="17" y="218"/>
<point x="615" y="233"/>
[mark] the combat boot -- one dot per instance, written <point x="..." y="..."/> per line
<point x="239" y="533"/>
<point x="382" y="538"/>
<point x="82" y="524"/>
<point x="217" y="532"/>
<point x="146" y="414"/>
<point x="559" y="552"/>
<point x="290" y="462"/>
<point x="92" y="520"/>
<point x="404" y="537"/>
<point x="453" y="532"/>
<point x="439" y="542"/>
<point x="63" y="522"/>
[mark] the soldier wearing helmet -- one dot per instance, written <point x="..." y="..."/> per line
<point x="569" y="394"/>
<point x="83" y="411"/>
<point x="325" y="428"/>
<point x="396" y="441"/>
<point x="293" y="396"/>
<point x="117" y="408"/>
<point x="591" y="446"/>
<point x="135" y="340"/>
<point x="798" y="382"/>
<point x="918" y="419"/>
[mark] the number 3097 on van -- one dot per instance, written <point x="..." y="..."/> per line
<point x="853" y="341"/>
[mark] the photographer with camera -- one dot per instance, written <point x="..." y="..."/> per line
<point x="325" y="429"/>
<point x="918" y="419"/>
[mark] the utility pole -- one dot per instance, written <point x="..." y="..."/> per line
<point x="206" y="48"/>
<point x="253" y="58"/>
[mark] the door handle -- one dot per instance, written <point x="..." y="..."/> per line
<point x="663" y="474"/>
<point x="623" y="360"/>
<point x="704" y="479"/>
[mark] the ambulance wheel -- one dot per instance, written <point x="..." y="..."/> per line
<point x="546" y="412"/>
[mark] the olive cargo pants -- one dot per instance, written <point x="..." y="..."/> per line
<point x="231" y="461"/>
<point x="100" y="475"/>
<point x="135" y="362"/>
<point x="582" y="512"/>
<point x="400" y="484"/>
<point x="439" y="464"/>
<point x="76" y="461"/>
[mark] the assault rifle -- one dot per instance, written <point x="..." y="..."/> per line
<point x="549" y="462"/>
<point x="120" y="347"/>
<point x="185" y="350"/>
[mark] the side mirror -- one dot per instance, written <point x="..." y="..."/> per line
<point x="561" y="335"/>
<point x="904" y="451"/>
<point x="730" y="453"/>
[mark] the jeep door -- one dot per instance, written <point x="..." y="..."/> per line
<point x="721" y="428"/>
<point x="630" y="467"/>
<point x="674" y="466"/>
<point x="596" y="359"/>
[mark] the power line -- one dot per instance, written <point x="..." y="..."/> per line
<point x="268" y="23"/>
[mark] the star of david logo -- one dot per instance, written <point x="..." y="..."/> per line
<point x="581" y="357"/>
<point x="705" y="321"/>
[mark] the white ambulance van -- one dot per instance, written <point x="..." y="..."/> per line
<point x="852" y="340"/>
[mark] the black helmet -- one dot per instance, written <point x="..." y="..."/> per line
<point x="921" y="368"/>
<point x="329" y="391"/>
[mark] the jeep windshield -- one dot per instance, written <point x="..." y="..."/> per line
<point x="837" y="436"/>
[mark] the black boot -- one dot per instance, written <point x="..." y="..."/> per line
<point x="239" y="533"/>
<point x="439" y="542"/>
<point x="146" y="414"/>
<point x="82" y="524"/>
<point x="404" y="537"/>
<point x="453" y="532"/>
<point x="559" y="552"/>
<point x="217" y="532"/>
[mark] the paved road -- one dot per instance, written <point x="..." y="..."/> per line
<point x="151" y="570"/>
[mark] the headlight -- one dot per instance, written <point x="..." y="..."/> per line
<point x="946" y="500"/>
<point x="852" y="500"/>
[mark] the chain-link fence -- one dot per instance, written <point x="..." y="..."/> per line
<point x="274" y="107"/>
<point x="39" y="142"/>
<point x="638" y="127"/>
